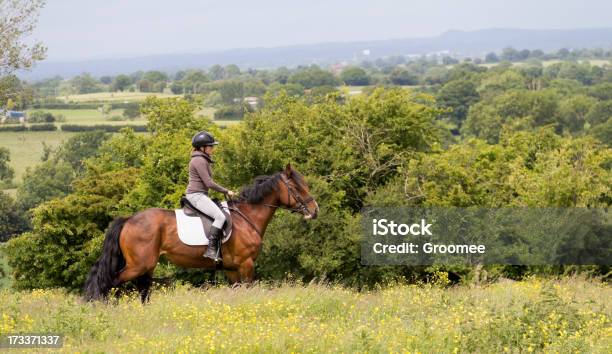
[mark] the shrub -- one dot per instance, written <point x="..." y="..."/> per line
<point x="234" y="112"/>
<point x="72" y="105"/>
<point x="13" y="128"/>
<point x="132" y="110"/>
<point x="103" y="127"/>
<point x="41" y="117"/>
<point x="43" y="127"/>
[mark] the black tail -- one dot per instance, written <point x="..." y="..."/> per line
<point x="102" y="275"/>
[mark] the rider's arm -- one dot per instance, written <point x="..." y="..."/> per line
<point x="202" y="168"/>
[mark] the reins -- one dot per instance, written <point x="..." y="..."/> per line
<point x="246" y="218"/>
<point x="301" y="208"/>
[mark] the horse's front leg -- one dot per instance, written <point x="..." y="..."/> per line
<point x="246" y="271"/>
<point x="233" y="276"/>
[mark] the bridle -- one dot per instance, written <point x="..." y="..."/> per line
<point x="301" y="203"/>
<point x="301" y="206"/>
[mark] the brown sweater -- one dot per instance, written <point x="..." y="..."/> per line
<point x="200" y="176"/>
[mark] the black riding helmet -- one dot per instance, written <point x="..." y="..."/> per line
<point x="203" y="138"/>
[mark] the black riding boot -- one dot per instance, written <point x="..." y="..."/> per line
<point x="214" y="240"/>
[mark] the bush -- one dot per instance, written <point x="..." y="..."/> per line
<point x="43" y="127"/>
<point x="61" y="256"/>
<point x="12" y="221"/>
<point x="64" y="105"/>
<point x="41" y="117"/>
<point x="234" y="112"/>
<point x="13" y="128"/>
<point x="355" y="76"/>
<point x="132" y="110"/>
<point x="103" y="127"/>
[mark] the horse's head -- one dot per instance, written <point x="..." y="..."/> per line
<point x="295" y="195"/>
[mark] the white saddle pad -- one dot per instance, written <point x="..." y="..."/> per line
<point x="191" y="230"/>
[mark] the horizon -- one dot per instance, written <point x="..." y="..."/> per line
<point x="214" y="51"/>
<point x="115" y="29"/>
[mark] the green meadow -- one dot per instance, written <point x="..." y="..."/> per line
<point x="571" y="315"/>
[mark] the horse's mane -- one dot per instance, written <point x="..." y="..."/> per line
<point x="260" y="188"/>
<point x="264" y="185"/>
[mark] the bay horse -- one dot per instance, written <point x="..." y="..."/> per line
<point x="133" y="244"/>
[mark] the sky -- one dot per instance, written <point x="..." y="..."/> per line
<point x="95" y="29"/>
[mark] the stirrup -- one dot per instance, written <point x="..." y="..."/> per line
<point x="215" y="258"/>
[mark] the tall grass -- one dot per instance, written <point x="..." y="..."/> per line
<point x="570" y="315"/>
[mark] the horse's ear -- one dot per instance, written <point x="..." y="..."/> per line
<point x="288" y="170"/>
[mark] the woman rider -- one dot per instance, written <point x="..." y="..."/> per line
<point x="200" y="181"/>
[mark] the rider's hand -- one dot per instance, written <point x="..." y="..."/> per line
<point x="231" y="194"/>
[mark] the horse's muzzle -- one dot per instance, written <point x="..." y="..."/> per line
<point x="310" y="215"/>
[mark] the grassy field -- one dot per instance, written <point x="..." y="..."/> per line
<point x="114" y="96"/>
<point x="92" y="117"/>
<point x="207" y="112"/>
<point x="26" y="148"/>
<point x="571" y="315"/>
<point x="596" y="62"/>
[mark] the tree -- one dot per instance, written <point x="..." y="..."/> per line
<point x="524" y="54"/>
<point x="155" y="76"/>
<point x="231" y="71"/>
<point x="600" y="112"/>
<point x="17" y="21"/>
<point x="458" y="95"/>
<point x="107" y="80"/>
<point x="312" y="76"/>
<point x="230" y="90"/>
<point x="513" y="110"/>
<point x="496" y="83"/>
<point x="136" y="76"/>
<point x="12" y="221"/>
<point x="573" y="112"/>
<point x="355" y="76"/>
<point x="510" y="54"/>
<point x="535" y="169"/>
<point x="436" y="75"/>
<point x="53" y="178"/>
<point x="6" y="171"/>
<point x="281" y="75"/>
<point x="74" y="241"/>
<point x="145" y="86"/>
<point x="15" y="91"/>
<point x="132" y="110"/>
<point x="602" y="91"/>
<point x="491" y="58"/>
<point x="121" y="83"/>
<point x="81" y="147"/>
<point x="217" y="72"/>
<point x="400" y="76"/>
<point x="449" y="60"/>
<point x="291" y="90"/>
<point x="603" y="132"/>
<point x="85" y="83"/>
<point x="563" y="53"/>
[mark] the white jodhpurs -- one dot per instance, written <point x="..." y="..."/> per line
<point x="208" y="207"/>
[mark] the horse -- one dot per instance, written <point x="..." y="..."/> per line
<point x="133" y="245"/>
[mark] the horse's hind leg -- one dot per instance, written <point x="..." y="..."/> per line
<point x="143" y="284"/>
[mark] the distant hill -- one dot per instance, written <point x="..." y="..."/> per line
<point x="458" y="43"/>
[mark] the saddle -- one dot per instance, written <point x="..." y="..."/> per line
<point x="191" y="211"/>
